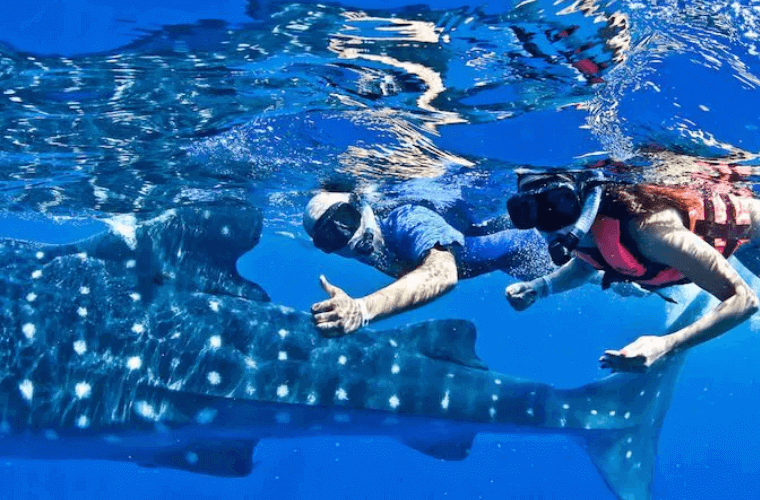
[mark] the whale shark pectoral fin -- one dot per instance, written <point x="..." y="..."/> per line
<point x="451" y="340"/>
<point x="451" y="448"/>
<point x="223" y="459"/>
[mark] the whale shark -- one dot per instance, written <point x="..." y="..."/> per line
<point x="143" y="344"/>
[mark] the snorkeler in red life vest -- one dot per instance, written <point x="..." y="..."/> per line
<point x="651" y="235"/>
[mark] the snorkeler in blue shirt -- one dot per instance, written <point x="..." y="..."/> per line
<point x="411" y="243"/>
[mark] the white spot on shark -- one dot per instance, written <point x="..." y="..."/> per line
<point x="530" y="412"/>
<point x="83" y="422"/>
<point x="80" y="347"/>
<point x="138" y="328"/>
<point x="83" y="390"/>
<point x="394" y="401"/>
<point x="29" y="330"/>
<point x="226" y="230"/>
<point x="27" y="389"/>
<point x="445" y="401"/>
<point x="342" y="360"/>
<point x="492" y="412"/>
<point x="31" y="297"/>
<point x="84" y="290"/>
<point x="642" y="393"/>
<point x="130" y="264"/>
<point x="214" y="305"/>
<point x="37" y="274"/>
<point x="205" y="416"/>
<point x="594" y="412"/>
<point x="341" y="394"/>
<point x="283" y="333"/>
<point x="134" y="363"/>
<point x="629" y="440"/>
<point x="282" y="356"/>
<point x="627" y="415"/>
<point x="311" y="398"/>
<point x="612" y="413"/>
<point x="494" y="397"/>
<point x="82" y="255"/>
<point x="191" y="458"/>
<point x="40" y="255"/>
<point x="282" y="391"/>
<point x="628" y="454"/>
<point x="566" y="406"/>
<point x="214" y="378"/>
<point x="215" y="342"/>
<point x="395" y="369"/>
<point x="393" y="343"/>
<point x="497" y="381"/>
<point x="82" y="311"/>
<point x="135" y="296"/>
<point x="251" y="363"/>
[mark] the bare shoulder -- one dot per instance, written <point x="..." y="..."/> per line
<point x="658" y="223"/>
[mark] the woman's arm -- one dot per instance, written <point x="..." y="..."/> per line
<point x="705" y="266"/>
<point x="572" y="275"/>
<point x="341" y="314"/>
<point x="668" y="242"/>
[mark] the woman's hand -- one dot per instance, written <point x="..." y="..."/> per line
<point x="338" y="315"/>
<point x="523" y="295"/>
<point x="636" y="356"/>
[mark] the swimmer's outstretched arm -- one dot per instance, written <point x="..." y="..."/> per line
<point x="572" y="275"/>
<point x="674" y="245"/>
<point x="342" y="314"/>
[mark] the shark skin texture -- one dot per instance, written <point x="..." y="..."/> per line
<point x="143" y="344"/>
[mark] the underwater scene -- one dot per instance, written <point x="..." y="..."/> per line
<point x="371" y="249"/>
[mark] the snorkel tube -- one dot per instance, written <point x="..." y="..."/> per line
<point x="562" y="246"/>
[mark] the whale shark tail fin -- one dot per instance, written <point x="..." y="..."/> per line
<point x="624" y="454"/>
<point x="624" y="449"/>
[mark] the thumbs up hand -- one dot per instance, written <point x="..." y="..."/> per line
<point x="338" y="315"/>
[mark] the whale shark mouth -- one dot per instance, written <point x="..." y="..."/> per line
<point x="144" y="344"/>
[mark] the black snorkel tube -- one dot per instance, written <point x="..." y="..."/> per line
<point x="562" y="246"/>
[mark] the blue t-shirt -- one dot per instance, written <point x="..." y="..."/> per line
<point x="411" y="231"/>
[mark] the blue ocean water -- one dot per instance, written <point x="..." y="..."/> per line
<point x="109" y="109"/>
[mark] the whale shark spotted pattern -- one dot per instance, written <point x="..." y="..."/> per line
<point x="143" y="344"/>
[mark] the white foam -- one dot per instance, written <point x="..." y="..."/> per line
<point x="124" y="226"/>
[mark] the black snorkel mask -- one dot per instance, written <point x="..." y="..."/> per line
<point x="553" y="201"/>
<point x="335" y="228"/>
<point x="547" y="207"/>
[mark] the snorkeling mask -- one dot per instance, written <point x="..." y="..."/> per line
<point x="547" y="207"/>
<point x="551" y="202"/>
<point x="335" y="228"/>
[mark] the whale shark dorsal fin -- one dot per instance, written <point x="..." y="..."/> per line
<point x="451" y="340"/>
<point x="190" y="248"/>
<point x="222" y="459"/>
<point x="450" y="448"/>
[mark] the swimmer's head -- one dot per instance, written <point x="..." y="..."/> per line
<point x="339" y="222"/>
<point x="547" y="202"/>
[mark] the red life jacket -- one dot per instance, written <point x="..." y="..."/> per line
<point x="722" y="220"/>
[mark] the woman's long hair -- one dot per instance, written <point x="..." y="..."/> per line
<point x="642" y="200"/>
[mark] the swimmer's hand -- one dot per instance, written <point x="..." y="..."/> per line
<point x="524" y="294"/>
<point x="338" y="315"/>
<point x="636" y="356"/>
